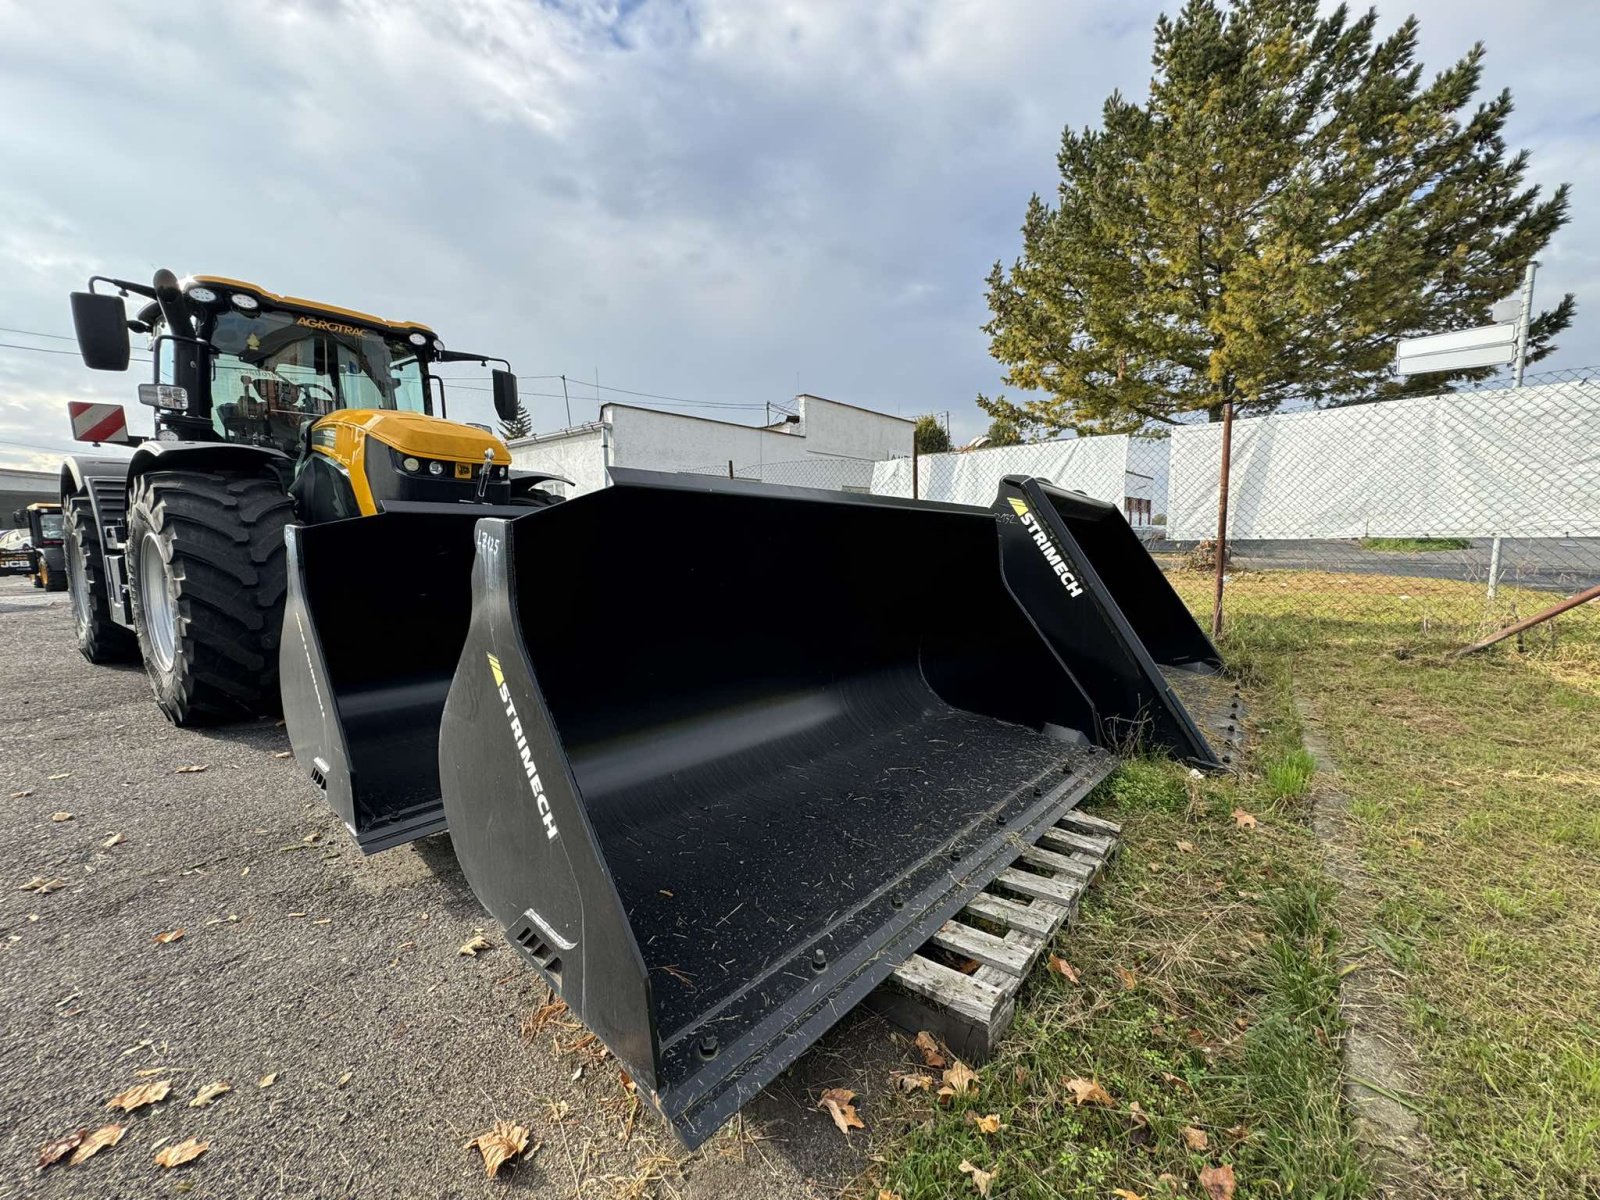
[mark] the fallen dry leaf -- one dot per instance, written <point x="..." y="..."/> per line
<point x="1128" y="979"/>
<point x="1218" y="1181"/>
<point x="209" y="1093"/>
<point x="58" y="817"/>
<point x="886" y="1194"/>
<point x="61" y="775"/>
<point x="345" y="1079"/>
<point x="959" y="1080"/>
<point x="283" y="754"/>
<point x="837" y="1101"/>
<point x="1176" y="1081"/>
<point x="500" y="1145"/>
<point x="116" y="839"/>
<point x="167" y="938"/>
<point x="982" y="1180"/>
<point x="990" y="1124"/>
<point x="1243" y="819"/>
<point x="471" y="946"/>
<point x="1186" y="847"/>
<point x="42" y="885"/>
<point x="185" y="1151"/>
<point x="1195" y="1139"/>
<point x="932" y="1055"/>
<point x="191" y="769"/>
<point x="1238" y="1132"/>
<point x="913" y="1082"/>
<point x="140" y="1095"/>
<point x="102" y="1138"/>
<point x="1063" y="968"/>
<point x="1126" y="1194"/>
<point x="23" y="795"/>
<point x="53" y="1152"/>
<point x="267" y="1080"/>
<point x="1087" y="1091"/>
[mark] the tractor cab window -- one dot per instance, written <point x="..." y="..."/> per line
<point x="49" y="527"/>
<point x="273" y="373"/>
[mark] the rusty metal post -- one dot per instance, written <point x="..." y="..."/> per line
<point x="915" y="459"/>
<point x="1222" y="517"/>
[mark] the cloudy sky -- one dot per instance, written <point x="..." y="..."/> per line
<point x="720" y="201"/>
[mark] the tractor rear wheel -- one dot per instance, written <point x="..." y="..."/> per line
<point x="100" y="639"/>
<point x="207" y="575"/>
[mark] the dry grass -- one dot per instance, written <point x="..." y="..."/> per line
<point x="1476" y="793"/>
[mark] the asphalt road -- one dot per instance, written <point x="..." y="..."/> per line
<point x="1543" y="564"/>
<point x="339" y="974"/>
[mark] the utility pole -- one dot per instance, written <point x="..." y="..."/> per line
<point x="1524" y="321"/>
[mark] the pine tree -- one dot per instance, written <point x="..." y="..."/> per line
<point x="930" y="436"/>
<point x="1291" y="199"/>
<point x="519" y="426"/>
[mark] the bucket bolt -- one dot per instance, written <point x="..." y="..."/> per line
<point x="708" y="1046"/>
<point x="819" y="960"/>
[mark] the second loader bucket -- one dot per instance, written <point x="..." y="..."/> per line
<point x="372" y="630"/>
<point x="719" y="757"/>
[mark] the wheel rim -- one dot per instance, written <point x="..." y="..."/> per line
<point x="160" y="618"/>
<point x="78" y="581"/>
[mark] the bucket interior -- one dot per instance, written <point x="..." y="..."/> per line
<point x="775" y="709"/>
<point x="390" y="597"/>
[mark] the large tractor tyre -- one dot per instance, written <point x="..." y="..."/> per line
<point x="38" y="577"/>
<point x="52" y="580"/>
<point x="100" y="639"/>
<point x="207" y="576"/>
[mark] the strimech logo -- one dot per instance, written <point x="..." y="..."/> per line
<point x="1041" y="539"/>
<point x="529" y="768"/>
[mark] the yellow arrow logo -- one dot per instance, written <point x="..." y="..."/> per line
<point x="494" y="669"/>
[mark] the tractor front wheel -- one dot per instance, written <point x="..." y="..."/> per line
<point x="207" y="576"/>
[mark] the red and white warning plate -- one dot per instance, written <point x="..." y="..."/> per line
<point x="98" y="422"/>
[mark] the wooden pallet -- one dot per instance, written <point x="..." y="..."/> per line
<point x="970" y="1012"/>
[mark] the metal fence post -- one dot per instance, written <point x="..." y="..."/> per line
<point x="915" y="458"/>
<point x="730" y="468"/>
<point x="1222" y="517"/>
<point x="1523" y="322"/>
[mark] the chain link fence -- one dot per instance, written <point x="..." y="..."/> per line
<point x="1444" y="517"/>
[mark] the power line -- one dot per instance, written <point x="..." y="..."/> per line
<point x="60" y="337"/>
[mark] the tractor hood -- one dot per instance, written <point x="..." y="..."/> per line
<point x="418" y="433"/>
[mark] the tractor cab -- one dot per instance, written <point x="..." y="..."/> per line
<point x="347" y="399"/>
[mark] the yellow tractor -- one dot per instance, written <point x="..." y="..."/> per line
<point x="269" y="410"/>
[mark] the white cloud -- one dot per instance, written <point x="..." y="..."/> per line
<point x="712" y="199"/>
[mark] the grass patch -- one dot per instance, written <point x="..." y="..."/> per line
<point x="1206" y="1003"/>
<point x="1407" y="545"/>
<point x="1473" y="787"/>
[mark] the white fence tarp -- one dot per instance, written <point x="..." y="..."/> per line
<point x="1095" y="466"/>
<point x="1523" y="463"/>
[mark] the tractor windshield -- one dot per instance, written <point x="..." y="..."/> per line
<point x="50" y="527"/>
<point x="274" y="371"/>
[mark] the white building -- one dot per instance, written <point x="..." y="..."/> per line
<point x="826" y="444"/>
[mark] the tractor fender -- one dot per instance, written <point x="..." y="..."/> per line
<point x="205" y="456"/>
<point x="78" y="469"/>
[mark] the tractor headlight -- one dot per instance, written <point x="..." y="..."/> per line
<point x="410" y="463"/>
<point x="244" y="302"/>
<point x="416" y="339"/>
<point x="436" y="468"/>
<point x="202" y="295"/>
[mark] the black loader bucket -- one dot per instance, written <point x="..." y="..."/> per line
<point x="376" y="613"/>
<point x="1126" y="635"/>
<point x="720" y="756"/>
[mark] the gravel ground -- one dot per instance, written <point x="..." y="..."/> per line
<point x="300" y="958"/>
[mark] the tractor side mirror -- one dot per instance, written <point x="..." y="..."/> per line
<point x="102" y="328"/>
<point x="505" y="394"/>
